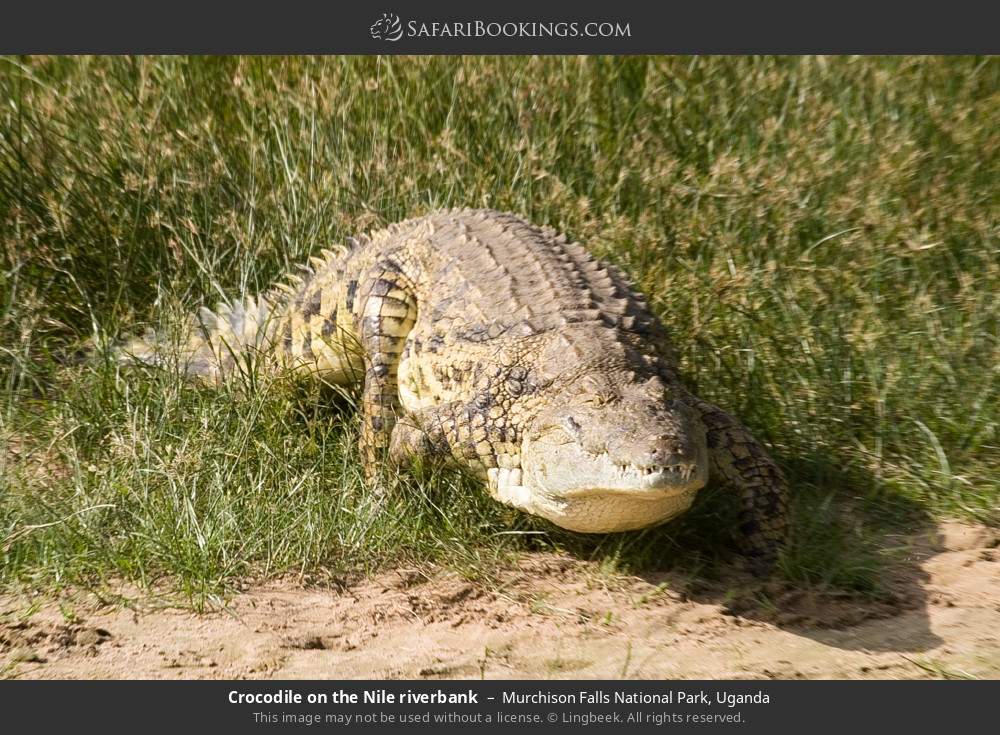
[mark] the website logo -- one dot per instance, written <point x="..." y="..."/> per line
<point x="387" y="28"/>
<point x="390" y="28"/>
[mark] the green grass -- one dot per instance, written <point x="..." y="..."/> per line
<point x="820" y="235"/>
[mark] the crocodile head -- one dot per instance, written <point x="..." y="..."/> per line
<point x="603" y="457"/>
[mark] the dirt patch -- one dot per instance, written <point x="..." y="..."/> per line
<point x="549" y="617"/>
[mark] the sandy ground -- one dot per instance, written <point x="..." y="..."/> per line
<point x="550" y="617"/>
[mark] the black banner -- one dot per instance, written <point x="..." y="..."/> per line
<point x="540" y="706"/>
<point x="512" y="27"/>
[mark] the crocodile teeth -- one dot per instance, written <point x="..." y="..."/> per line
<point x="631" y="470"/>
<point x="505" y="485"/>
<point x="502" y="477"/>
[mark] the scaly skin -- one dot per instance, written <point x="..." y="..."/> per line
<point x="487" y="341"/>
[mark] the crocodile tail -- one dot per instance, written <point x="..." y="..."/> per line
<point x="214" y="345"/>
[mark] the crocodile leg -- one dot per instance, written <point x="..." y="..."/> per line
<point x="418" y="438"/>
<point x="450" y="432"/>
<point x="739" y="461"/>
<point x="433" y="434"/>
<point x="387" y="313"/>
<point x="443" y="432"/>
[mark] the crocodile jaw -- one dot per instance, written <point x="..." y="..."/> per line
<point x="610" y="500"/>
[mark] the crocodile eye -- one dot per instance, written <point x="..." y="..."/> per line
<point x="571" y="426"/>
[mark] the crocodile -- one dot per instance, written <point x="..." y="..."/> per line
<point x="481" y="339"/>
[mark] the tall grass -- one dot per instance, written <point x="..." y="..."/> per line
<point x="819" y="234"/>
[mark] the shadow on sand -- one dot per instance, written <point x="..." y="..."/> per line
<point x="851" y="577"/>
